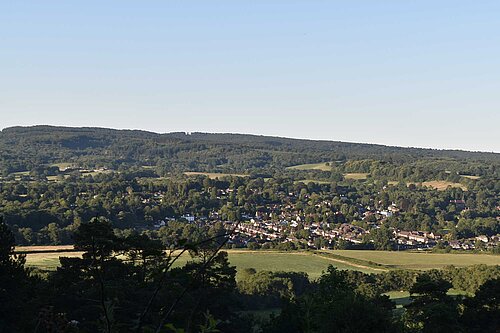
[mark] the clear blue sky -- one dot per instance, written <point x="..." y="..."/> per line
<point x="406" y="73"/>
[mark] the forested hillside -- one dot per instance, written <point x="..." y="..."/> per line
<point x="30" y="148"/>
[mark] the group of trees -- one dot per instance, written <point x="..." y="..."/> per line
<point x="120" y="284"/>
<point x="340" y="302"/>
<point x="132" y="283"/>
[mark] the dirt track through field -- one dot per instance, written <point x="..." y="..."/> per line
<point x="346" y="262"/>
<point x="340" y="261"/>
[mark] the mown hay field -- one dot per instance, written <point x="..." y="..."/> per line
<point x="442" y="185"/>
<point x="356" y="176"/>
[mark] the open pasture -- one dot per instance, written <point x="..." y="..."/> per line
<point x="312" y="166"/>
<point x="295" y="261"/>
<point x="307" y="181"/>
<point x="356" y="176"/>
<point x="470" y="177"/>
<point x="48" y="260"/>
<point x="20" y="173"/>
<point x="44" y="248"/>
<point x="63" y="166"/>
<point x="312" y="263"/>
<point x="439" y="185"/>
<point x="442" y="185"/>
<point x="418" y="260"/>
<point x="402" y="298"/>
<point x="213" y="175"/>
<point x="94" y="172"/>
<point x="306" y="262"/>
<point x="57" y="178"/>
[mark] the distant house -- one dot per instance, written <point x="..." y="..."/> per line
<point x="418" y="236"/>
<point x="483" y="238"/>
<point x="393" y="208"/>
<point x="457" y="245"/>
<point x="159" y="224"/>
<point x="188" y="217"/>
<point x="460" y="204"/>
<point x="386" y="213"/>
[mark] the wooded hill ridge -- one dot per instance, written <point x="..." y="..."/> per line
<point x="23" y="148"/>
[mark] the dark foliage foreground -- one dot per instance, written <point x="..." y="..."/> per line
<point x="133" y="284"/>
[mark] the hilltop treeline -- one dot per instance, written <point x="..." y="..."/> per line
<point x="131" y="283"/>
<point x="29" y="148"/>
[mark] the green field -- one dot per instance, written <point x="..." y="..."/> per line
<point x="356" y="176"/>
<point x="442" y="185"/>
<point x="307" y="262"/>
<point x="48" y="261"/>
<point x="307" y="181"/>
<point x="439" y="185"/>
<point x="312" y="166"/>
<point x="20" y="173"/>
<point x="323" y="166"/>
<point x="63" y="166"/>
<point x="213" y="175"/>
<point x="418" y="260"/>
<point x="57" y="178"/>
<point x="402" y="298"/>
<point x="471" y="177"/>
<point x="95" y="172"/>
<point x="313" y="263"/>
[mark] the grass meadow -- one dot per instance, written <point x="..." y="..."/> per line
<point x="442" y="185"/>
<point x="418" y="260"/>
<point x="313" y="166"/>
<point x="356" y="176"/>
<point x="313" y="265"/>
<point x="213" y="175"/>
<point x="307" y="181"/>
<point x="311" y="262"/>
